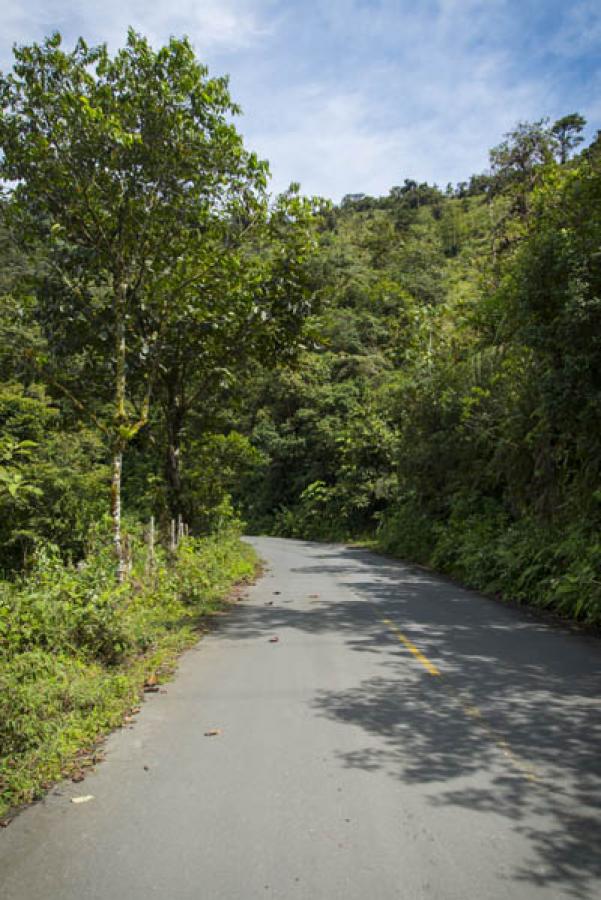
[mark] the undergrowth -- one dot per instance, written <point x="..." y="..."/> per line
<point x="76" y="649"/>
<point x="550" y="566"/>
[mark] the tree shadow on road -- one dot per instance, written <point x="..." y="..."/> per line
<point x="517" y="700"/>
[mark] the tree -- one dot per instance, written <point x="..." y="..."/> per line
<point x="247" y="302"/>
<point x="121" y="165"/>
<point x="517" y="161"/>
<point x="568" y="133"/>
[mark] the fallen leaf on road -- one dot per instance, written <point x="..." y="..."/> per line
<point x="151" y="688"/>
<point x="314" y="596"/>
<point x="213" y="732"/>
<point x="277" y="592"/>
<point x="273" y="640"/>
<point x="84" y="799"/>
<point x="77" y="777"/>
<point x="269" y="603"/>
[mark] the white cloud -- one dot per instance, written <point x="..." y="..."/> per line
<point x="226" y="24"/>
<point x="581" y="31"/>
<point x="332" y="144"/>
<point x="323" y="141"/>
<point x="430" y="88"/>
<point x="430" y="109"/>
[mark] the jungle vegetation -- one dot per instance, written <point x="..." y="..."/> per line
<point x="421" y="370"/>
<point x="145" y="270"/>
<point x="450" y="407"/>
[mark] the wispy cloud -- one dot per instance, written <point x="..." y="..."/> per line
<point x="355" y="95"/>
<point x="580" y="31"/>
<point x="433" y="86"/>
<point x="227" y="24"/>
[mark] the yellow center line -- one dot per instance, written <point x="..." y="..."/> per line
<point x="469" y="709"/>
<point x="518" y="764"/>
<point x="428" y="666"/>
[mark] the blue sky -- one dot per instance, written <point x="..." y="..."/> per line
<point x="357" y="95"/>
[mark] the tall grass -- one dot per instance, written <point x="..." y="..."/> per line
<point x="76" y="648"/>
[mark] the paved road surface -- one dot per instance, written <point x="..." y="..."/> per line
<point x="403" y="738"/>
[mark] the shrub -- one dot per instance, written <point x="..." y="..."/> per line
<point x="75" y="647"/>
<point x="553" y="565"/>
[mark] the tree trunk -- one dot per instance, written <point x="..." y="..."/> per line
<point x="175" y="424"/>
<point x="173" y="474"/>
<point x="120" y="422"/>
<point x="116" y="512"/>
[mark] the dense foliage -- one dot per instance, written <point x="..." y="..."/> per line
<point x="421" y="369"/>
<point x="75" y="647"/>
<point x="452" y="405"/>
<point x="143" y="270"/>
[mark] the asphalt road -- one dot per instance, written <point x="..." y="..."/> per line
<point x="403" y="738"/>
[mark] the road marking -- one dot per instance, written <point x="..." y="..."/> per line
<point x="527" y="771"/>
<point x="429" y="666"/>
<point x="469" y="709"/>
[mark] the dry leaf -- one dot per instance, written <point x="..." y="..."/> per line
<point x="273" y="640"/>
<point x="77" y="777"/>
<point x="213" y="732"/>
<point x="314" y="596"/>
<point x="151" y="688"/>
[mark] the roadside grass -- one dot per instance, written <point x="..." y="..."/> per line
<point x="555" y="569"/>
<point x="76" y="650"/>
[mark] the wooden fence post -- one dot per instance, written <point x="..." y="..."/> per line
<point x="150" y="546"/>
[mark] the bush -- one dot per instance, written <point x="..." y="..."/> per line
<point x="405" y="530"/>
<point x="75" y="647"/>
<point x="61" y="608"/>
<point x="53" y="483"/>
<point x="554" y="566"/>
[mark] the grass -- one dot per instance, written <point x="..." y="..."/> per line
<point x="550" y="568"/>
<point x="76" y="651"/>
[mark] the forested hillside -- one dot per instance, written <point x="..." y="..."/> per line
<point x="451" y="404"/>
<point x="180" y="350"/>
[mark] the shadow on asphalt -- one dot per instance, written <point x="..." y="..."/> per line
<point x="537" y="686"/>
